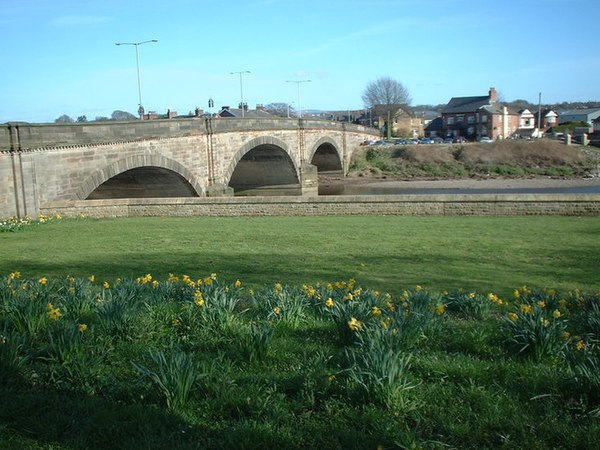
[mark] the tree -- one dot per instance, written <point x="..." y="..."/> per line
<point x="82" y="119"/>
<point x="64" y="119"/>
<point x="385" y="96"/>
<point x="122" y="115"/>
<point x="280" y="109"/>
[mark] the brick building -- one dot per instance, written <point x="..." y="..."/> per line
<point x="479" y="116"/>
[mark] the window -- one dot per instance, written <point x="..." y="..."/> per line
<point x="460" y="118"/>
<point x="470" y="119"/>
<point x="484" y="118"/>
<point x="450" y="120"/>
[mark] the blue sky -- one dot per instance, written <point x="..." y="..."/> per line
<point x="59" y="56"/>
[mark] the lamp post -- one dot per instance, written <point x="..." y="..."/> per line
<point x="137" y="61"/>
<point x="241" y="87"/>
<point x="298" y="87"/>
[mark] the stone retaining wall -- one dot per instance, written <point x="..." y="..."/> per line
<point x="451" y="205"/>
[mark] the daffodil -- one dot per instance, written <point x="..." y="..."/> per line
<point x="43" y="281"/>
<point x="513" y="317"/>
<point x="82" y="327"/>
<point x="329" y="302"/>
<point x="526" y="309"/>
<point x="556" y="314"/>
<point x="440" y="309"/>
<point x="376" y="311"/>
<point x="354" y="324"/>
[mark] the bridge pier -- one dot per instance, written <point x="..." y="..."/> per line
<point x="309" y="180"/>
<point x="219" y="190"/>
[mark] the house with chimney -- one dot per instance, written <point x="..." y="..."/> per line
<point x="479" y="116"/>
<point x="243" y="111"/>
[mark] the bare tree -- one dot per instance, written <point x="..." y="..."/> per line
<point x="279" y="109"/>
<point x="385" y="97"/>
<point x="64" y="119"/>
<point x="122" y="115"/>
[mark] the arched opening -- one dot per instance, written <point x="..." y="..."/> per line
<point x="326" y="159"/>
<point x="144" y="182"/>
<point x="265" y="170"/>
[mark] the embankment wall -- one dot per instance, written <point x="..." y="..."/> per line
<point x="447" y="205"/>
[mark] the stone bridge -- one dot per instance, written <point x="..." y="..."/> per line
<point x="188" y="157"/>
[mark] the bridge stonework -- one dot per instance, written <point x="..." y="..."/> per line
<point x="44" y="163"/>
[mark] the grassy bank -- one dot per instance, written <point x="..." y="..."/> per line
<point x="498" y="159"/>
<point x="391" y="253"/>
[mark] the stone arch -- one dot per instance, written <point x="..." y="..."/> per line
<point x="262" y="163"/>
<point x="326" y="156"/>
<point x="137" y="162"/>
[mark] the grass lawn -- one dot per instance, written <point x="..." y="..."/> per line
<point x="386" y="253"/>
<point x="175" y="362"/>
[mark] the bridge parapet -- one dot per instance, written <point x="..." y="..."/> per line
<point x="26" y="136"/>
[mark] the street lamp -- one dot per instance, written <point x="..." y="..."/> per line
<point x="241" y="87"/>
<point x="137" y="60"/>
<point x="298" y="86"/>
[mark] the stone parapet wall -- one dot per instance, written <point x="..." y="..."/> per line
<point x="26" y="136"/>
<point x="451" y="205"/>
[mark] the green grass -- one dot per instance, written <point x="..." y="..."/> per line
<point x="389" y="253"/>
<point x="155" y="369"/>
<point x="298" y="379"/>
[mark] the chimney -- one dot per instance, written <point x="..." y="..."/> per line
<point x="493" y="95"/>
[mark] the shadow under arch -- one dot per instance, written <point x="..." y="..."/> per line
<point x="263" y="166"/>
<point x="141" y="176"/>
<point x="325" y="156"/>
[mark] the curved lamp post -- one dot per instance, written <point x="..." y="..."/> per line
<point x="137" y="60"/>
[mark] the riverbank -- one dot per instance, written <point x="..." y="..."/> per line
<point x="393" y="182"/>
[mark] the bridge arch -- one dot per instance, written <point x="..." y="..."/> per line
<point x="263" y="162"/>
<point x="156" y="165"/>
<point x="326" y="156"/>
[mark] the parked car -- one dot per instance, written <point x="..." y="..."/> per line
<point x="438" y="140"/>
<point x="413" y="141"/>
<point x="448" y="140"/>
<point x="378" y="143"/>
<point x="425" y="141"/>
<point x="401" y="142"/>
<point x="485" y="140"/>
